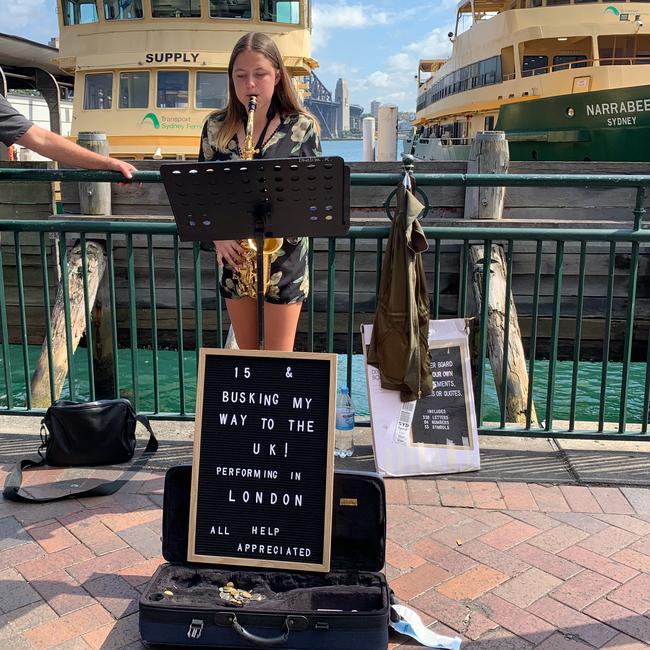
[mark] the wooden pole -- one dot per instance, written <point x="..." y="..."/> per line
<point x="94" y="198"/>
<point x="517" y="373"/>
<point x="488" y="155"/>
<point x="96" y="266"/>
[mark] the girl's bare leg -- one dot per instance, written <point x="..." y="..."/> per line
<point x="280" y="323"/>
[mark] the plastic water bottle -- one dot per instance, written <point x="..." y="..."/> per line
<point x="344" y="441"/>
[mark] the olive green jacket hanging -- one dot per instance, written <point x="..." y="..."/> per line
<point x="399" y="346"/>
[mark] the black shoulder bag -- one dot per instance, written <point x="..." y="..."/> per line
<point x="79" y="434"/>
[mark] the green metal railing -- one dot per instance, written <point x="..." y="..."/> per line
<point x="627" y="240"/>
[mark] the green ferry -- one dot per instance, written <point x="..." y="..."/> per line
<point x="564" y="79"/>
<point x="609" y="125"/>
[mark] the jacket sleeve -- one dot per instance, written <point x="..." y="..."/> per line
<point x="311" y="144"/>
<point x="203" y="142"/>
<point x="205" y="245"/>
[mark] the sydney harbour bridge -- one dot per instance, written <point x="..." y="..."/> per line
<point x="329" y="110"/>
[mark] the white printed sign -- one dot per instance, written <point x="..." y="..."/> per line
<point x="437" y="433"/>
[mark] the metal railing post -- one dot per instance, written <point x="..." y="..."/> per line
<point x="639" y="212"/>
<point x="133" y="321"/>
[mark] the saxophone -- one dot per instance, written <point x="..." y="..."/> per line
<point x="246" y="276"/>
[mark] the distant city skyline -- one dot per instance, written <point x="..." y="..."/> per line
<point x="373" y="45"/>
<point x="345" y="118"/>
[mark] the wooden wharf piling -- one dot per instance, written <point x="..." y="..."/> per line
<point x="74" y="281"/>
<point x="489" y="155"/>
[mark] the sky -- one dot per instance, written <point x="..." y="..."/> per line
<point x="375" y="45"/>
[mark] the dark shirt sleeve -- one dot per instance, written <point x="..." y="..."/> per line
<point x="311" y="145"/>
<point x="13" y="125"/>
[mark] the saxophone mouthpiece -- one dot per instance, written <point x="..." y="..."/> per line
<point x="252" y="102"/>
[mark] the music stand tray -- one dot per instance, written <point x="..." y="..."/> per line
<point x="254" y="199"/>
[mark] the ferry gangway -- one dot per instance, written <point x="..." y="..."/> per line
<point x="16" y="375"/>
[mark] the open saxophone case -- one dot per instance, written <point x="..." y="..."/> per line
<point x="348" y="607"/>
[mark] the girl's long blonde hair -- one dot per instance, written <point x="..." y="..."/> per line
<point x="285" y="100"/>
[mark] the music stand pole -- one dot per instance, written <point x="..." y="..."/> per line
<point x="262" y="214"/>
<point x="261" y="289"/>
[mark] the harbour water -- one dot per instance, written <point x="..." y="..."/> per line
<point x="588" y="396"/>
<point x="351" y="150"/>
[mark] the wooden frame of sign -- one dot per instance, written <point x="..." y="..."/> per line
<point x="263" y="460"/>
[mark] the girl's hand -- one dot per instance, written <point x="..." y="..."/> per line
<point x="231" y="251"/>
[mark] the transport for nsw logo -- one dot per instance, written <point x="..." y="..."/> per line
<point x="624" y="16"/>
<point x="154" y="120"/>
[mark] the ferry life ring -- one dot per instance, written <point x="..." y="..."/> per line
<point x="11" y="152"/>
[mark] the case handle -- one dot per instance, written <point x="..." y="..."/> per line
<point x="290" y="623"/>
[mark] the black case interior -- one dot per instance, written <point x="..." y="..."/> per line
<point x="353" y="583"/>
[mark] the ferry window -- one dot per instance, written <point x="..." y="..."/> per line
<point x="642" y="49"/>
<point x="122" y="9"/>
<point x="280" y="11"/>
<point x="474" y="69"/>
<point x="566" y="61"/>
<point x="617" y="50"/>
<point x="531" y="4"/>
<point x="553" y="3"/>
<point x="134" y="90"/>
<point x="79" y="12"/>
<point x="464" y="78"/>
<point x="489" y="123"/>
<point x="172" y="89"/>
<point x="98" y="91"/>
<point x="176" y="8"/>
<point x="534" y="64"/>
<point x="230" y="9"/>
<point x="606" y="49"/>
<point x="211" y="89"/>
<point x="490" y="70"/>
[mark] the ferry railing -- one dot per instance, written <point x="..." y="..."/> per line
<point x="633" y="238"/>
<point x="444" y="140"/>
<point x="583" y="63"/>
<point x="428" y="97"/>
<point x="455" y="141"/>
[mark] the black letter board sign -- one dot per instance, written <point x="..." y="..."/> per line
<point x="443" y="418"/>
<point x="263" y="463"/>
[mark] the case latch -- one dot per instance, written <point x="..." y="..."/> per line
<point x="196" y="629"/>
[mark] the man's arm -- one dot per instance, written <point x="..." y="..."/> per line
<point x="58" y="148"/>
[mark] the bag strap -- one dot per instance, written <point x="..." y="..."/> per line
<point x="14" y="480"/>
<point x="152" y="445"/>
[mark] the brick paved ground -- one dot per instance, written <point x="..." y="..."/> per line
<point x="504" y="565"/>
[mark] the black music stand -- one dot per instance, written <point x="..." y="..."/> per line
<point x="254" y="199"/>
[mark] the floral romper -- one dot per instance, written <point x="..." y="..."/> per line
<point x="295" y="137"/>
